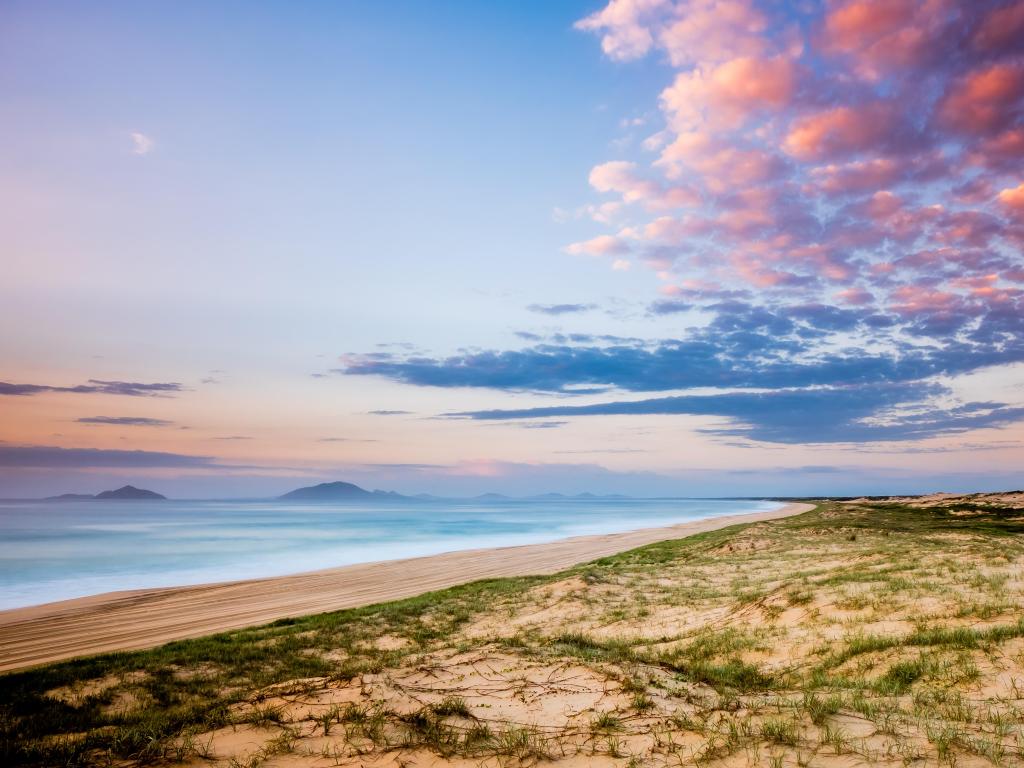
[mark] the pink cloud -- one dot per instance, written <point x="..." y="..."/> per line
<point x="624" y="25"/>
<point x="858" y="176"/>
<point x="709" y="31"/>
<point x="1012" y="200"/>
<point x="982" y="285"/>
<point x="984" y="100"/>
<point x="876" y="173"/>
<point x="676" y="230"/>
<point x="622" y="177"/>
<point x="720" y="164"/>
<point x="855" y="296"/>
<point x="915" y="299"/>
<point x="966" y="229"/>
<point x="1002" y="151"/>
<point x="886" y="36"/>
<point x="761" y="211"/>
<point x="764" y="275"/>
<point x="842" y="131"/>
<point x="728" y="94"/>
<point x="974" y="192"/>
<point x="882" y="206"/>
<point x="602" y="245"/>
<point x="848" y="141"/>
<point x="893" y="217"/>
<point x="1001" y="28"/>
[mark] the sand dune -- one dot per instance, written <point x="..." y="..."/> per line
<point x="145" y="618"/>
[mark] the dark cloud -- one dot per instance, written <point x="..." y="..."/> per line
<point x="825" y="415"/>
<point x="741" y="358"/>
<point x="810" y="469"/>
<point x="670" y="307"/>
<point x="129" y="388"/>
<point x="389" y="413"/>
<point x="125" y="421"/>
<point x="742" y="346"/>
<point x="561" y="309"/>
<point x="22" y="389"/>
<point x="52" y="457"/>
<point x="233" y="437"/>
<point x="774" y="366"/>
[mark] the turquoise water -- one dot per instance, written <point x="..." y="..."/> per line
<point x="58" y="550"/>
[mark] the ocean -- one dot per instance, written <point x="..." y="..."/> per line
<point x="59" y="550"/>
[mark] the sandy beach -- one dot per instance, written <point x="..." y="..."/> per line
<point x="144" y="618"/>
<point x="853" y="635"/>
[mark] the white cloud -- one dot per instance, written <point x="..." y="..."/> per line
<point x="141" y="143"/>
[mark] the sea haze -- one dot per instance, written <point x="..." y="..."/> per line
<point x="59" y="550"/>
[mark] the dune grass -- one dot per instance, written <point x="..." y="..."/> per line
<point x="881" y="631"/>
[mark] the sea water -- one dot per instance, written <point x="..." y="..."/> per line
<point x="53" y="550"/>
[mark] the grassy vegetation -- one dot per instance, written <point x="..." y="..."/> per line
<point x="191" y="684"/>
<point x="877" y="630"/>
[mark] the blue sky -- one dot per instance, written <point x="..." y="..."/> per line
<point x="651" y="246"/>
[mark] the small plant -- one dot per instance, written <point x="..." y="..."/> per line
<point x="521" y="742"/>
<point x="798" y="596"/>
<point x="633" y="685"/>
<point x="943" y="739"/>
<point x="451" y="706"/>
<point x="326" y="719"/>
<point x="836" y="738"/>
<point x="263" y="717"/>
<point x="606" y="721"/>
<point x="900" y="676"/>
<point x="779" y="731"/>
<point x="821" y="708"/>
<point x="642" y="702"/>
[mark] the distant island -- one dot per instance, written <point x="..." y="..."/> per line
<point x="338" y="491"/>
<point x="124" y="493"/>
<point x="342" y="491"/>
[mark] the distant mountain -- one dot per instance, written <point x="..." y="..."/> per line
<point x="490" y="497"/>
<point x="338" y="491"/>
<point x="585" y="496"/>
<point x="129" y="492"/>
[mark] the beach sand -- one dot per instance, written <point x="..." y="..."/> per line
<point x="145" y="618"/>
<point x="867" y="632"/>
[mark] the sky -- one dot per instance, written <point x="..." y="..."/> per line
<point x="655" y="247"/>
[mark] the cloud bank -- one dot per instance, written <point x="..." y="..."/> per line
<point x="96" y="386"/>
<point x="52" y="457"/>
<point x="125" y="421"/>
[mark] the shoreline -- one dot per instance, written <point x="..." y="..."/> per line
<point x="137" y="619"/>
